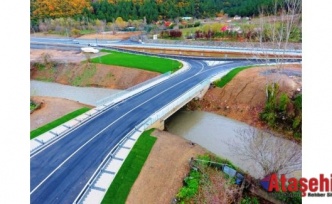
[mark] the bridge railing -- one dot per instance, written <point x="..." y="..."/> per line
<point x="82" y="196"/>
<point x="176" y="103"/>
<point x="144" y="125"/>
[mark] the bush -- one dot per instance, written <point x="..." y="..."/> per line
<point x="33" y="105"/>
<point x="175" y="33"/>
<point x="191" y="186"/>
<point x="289" y="197"/>
<point x="249" y="200"/>
<point x="282" y="113"/>
<point x="164" y="34"/>
<point x="295" y="35"/>
<point x="75" y="32"/>
<point x="197" y="23"/>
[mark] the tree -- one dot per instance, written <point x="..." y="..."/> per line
<point x="276" y="26"/>
<point x="59" y="8"/>
<point x="272" y="154"/>
<point x="120" y="23"/>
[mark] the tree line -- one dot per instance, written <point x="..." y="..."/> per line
<point x="152" y="10"/>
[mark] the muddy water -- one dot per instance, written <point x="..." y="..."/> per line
<point x="216" y="134"/>
<point x="86" y="95"/>
<point x="213" y="132"/>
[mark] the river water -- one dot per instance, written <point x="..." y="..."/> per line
<point x="85" y="95"/>
<point x="213" y="132"/>
<point x="217" y="134"/>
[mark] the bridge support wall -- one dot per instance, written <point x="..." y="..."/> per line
<point x="160" y="123"/>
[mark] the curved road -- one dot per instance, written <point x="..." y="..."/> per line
<point x="59" y="172"/>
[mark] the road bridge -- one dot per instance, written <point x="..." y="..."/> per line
<point x="62" y="169"/>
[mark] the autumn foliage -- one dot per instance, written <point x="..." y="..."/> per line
<point x="59" y="8"/>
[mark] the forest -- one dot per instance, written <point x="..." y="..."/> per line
<point x="152" y="10"/>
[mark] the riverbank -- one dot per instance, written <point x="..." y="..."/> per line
<point x="244" y="97"/>
<point x="241" y="99"/>
<point x="157" y="186"/>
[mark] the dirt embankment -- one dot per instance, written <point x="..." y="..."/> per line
<point x="162" y="174"/>
<point x="241" y="99"/>
<point x="244" y="97"/>
<point x="79" y="73"/>
<point x="118" y="35"/>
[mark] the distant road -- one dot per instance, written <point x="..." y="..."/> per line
<point x="70" y="43"/>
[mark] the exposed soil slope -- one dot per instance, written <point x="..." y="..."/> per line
<point x="241" y="99"/>
<point x="244" y="97"/>
<point x="86" y="74"/>
<point x="102" y="35"/>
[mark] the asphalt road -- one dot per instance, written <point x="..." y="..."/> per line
<point x="59" y="172"/>
<point x="40" y="42"/>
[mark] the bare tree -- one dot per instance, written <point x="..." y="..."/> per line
<point x="272" y="154"/>
<point x="274" y="28"/>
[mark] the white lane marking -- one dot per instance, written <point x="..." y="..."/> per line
<point x="101" y="132"/>
<point x="115" y="107"/>
<point x="111" y="125"/>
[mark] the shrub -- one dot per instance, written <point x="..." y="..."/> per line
<point x="283" y="102"/>
<point x="33" y="105"/>
<point x="164" y="34"/>
<point x="197" y="23"/>
<point x="249" y="200"/>
<point x="175" y="33"/>
<point x="191" y="186"/>
<point x="282" y="112"/>
<point x="75" y="32"/>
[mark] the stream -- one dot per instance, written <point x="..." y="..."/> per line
<point x="213" y="132"/>
<point x="218" y="134"/>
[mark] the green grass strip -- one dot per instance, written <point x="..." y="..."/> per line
<point x="57" y="122"/>
<point x="229" y="76"/>
<point x="130" y="169"/>
<point x="155" y="64"/>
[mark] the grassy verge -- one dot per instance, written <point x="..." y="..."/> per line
<point x="149" y="63"/>
<point x="130" y="169"/>
<point x="57" y="122"/>
<point x="85" y="32"/>
<point x="229" y="76"/>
